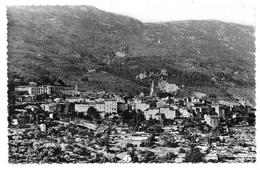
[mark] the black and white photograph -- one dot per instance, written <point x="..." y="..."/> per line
<point x="169" y="81"/>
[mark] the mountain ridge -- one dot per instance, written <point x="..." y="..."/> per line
<point x="46" y="44"/>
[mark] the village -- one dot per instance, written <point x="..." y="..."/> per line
<point x="56" y="124"/>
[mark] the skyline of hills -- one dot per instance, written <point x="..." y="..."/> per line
<point x="46" y="44"/>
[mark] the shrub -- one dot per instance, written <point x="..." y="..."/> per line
<point x="194" y="156"/>
<point x="84" y="79"/>
<point x="146" y="156"/>
<point x="182" y="150"/>
<point x="168" y="141"/>
<point x="129" y="145"/>
<point x="170" y="156"/>
<point x="149" y="142"/>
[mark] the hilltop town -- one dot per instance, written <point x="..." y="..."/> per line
<point x="60" y="124"/>
<point x="89" y="86"/>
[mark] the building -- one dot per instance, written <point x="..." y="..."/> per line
<point x="131" y="105"/>
<point x="141" y="106"/>
<point x="221" y="110"/>
<point x="74" y="99"/>
<point x="69" y="91"/>
<point x="184" y="112"/>
<point x="155" y="113"/>
<point x="119" y="99"/>
<point x="26" y="98"/>
<point x="137" y="104"/>
<point x="212" y="120"/>
<point x="33" y="108"/>
<point x="21" y="89"/>
<point x="33" y="89"/>
<point x="228" y="103"/>
<point x="91" y="70"/>
<point x="110" y="106"/>
<point x="44" y="89"/>
<point x="83" y="107"/>
<point x="199" y="95"/>
<point x="49" y="107"/>
<point x="122" y="107"/>
<point x="32" y="84"/>
<point x="169" y="112"/>
<point x="152" y="89"/>
<point x="58" y="100"/>
<point x="161" y="103"/>
<point x="107" y="106"/>
<point x="100" y="106"/>
<point x="151" y="113"/>
<point x="158" y="116"/>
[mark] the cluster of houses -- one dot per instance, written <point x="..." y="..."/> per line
<point x="192" y="107"/>
<point x="153" y="107"/>
<point x="30" y="91"/>
<point x="170" y="108"/>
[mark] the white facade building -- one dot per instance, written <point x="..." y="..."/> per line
<point x="220" y="110"/>
<point x="212" y="120"/>
<point x="169" y="112"/>
<point x="49" y="107"/>
<point x="21" y="88"/>
<point x="110" y="106"/>
<point x="184" y="112"/>
<point x="142" y="106"/>
<point x="107" y="106"/>
<point x="100" y="106"/>
<point x="151" y="113"/>
<point x="33" y="89"/>
<point x="83" y="107"/>
<point x="75" y="99"/>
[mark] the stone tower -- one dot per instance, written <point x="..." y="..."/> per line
<point x="76" y="87"/>
<point x="152" y="88"/>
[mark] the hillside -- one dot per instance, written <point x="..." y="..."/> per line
<point x="46" y="44"/>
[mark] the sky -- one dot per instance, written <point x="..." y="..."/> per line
<point x="238" y="11"/>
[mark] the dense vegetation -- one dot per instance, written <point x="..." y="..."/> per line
<point x="62" y="43"/>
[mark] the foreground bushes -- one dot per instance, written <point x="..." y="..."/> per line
<point x="194" y="155"/>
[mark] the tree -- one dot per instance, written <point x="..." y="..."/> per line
<point x="168" y="141"/>
<point x="194" y="155"/>
<point x="11" y="92"/>
<point x="84" y="78"/>
<point x="163" y="119"/>
<point x="149" y="142"/>
<point x="93" y="113"/>
<point x="151" y="121"/>
<point x="251" y="119"/>
<point x="148" y="156"/>
<point x="153" y="104"/>
<point x="128" y="115"/>
<point x="42" y="97"/>
<point x="170" y="156"/>
<point x="139" y="117"/>
<point x="106" y="115"/>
